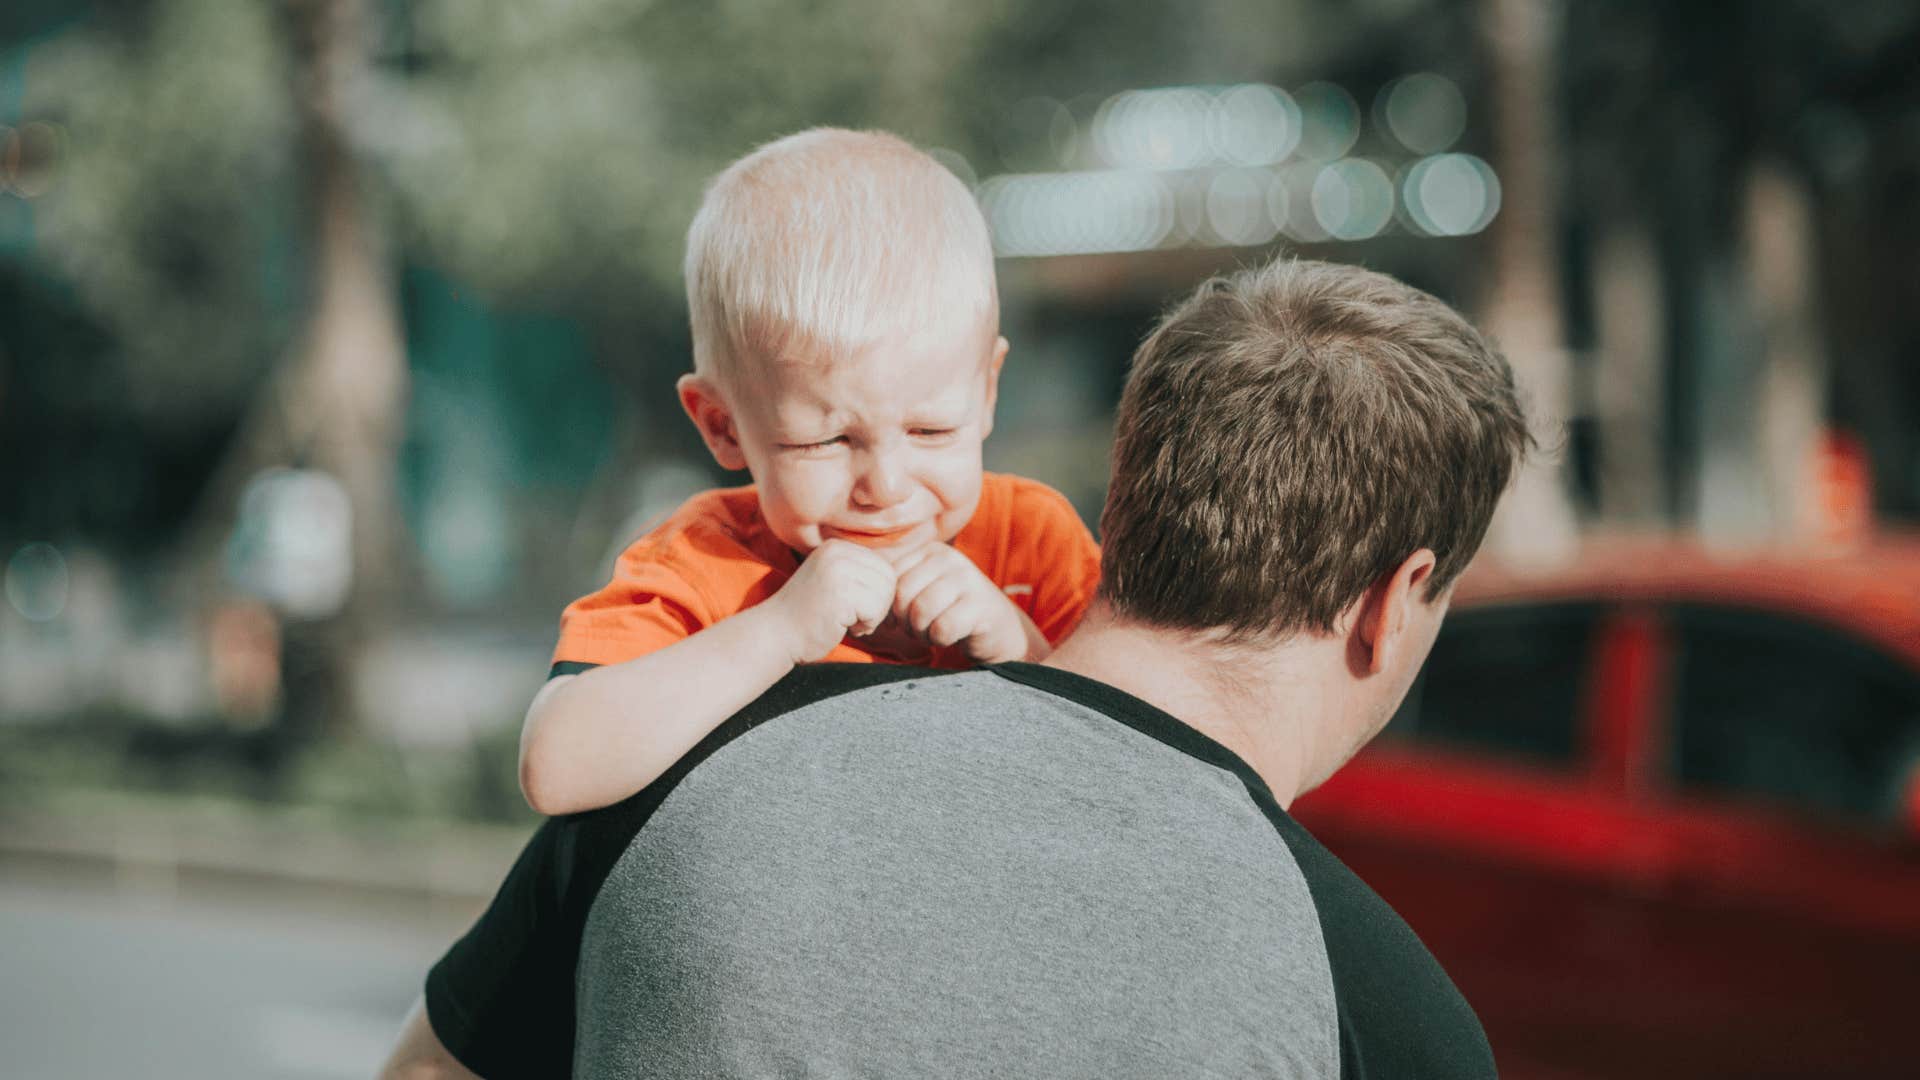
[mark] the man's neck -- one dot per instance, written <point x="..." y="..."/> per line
<point x="1251" y="699"/>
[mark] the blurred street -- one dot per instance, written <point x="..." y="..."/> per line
<point x="138" y="975"/>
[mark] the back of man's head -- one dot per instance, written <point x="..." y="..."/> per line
<point x="1291" y="433"/>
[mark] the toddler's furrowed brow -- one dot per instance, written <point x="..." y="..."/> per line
<point x="802" y="414"/>
<point x="954" y="403"/>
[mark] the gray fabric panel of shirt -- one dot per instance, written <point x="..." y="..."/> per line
<point x="957" y="876"/>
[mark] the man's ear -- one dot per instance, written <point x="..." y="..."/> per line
<point x="1379" y="633"/>
<point x="710" y="413"/>
<point x="993" y="383"/>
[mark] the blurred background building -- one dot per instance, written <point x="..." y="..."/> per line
<point x="337" y="340"/>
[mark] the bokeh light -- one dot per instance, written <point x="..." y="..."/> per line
<point x="1237" y="207"/>
<point x="38" y="582"/>
<point x="1253" y="125"/>
<point x="1424" y="112"/>
<point x="1233" y="165"/>
<point x="293" y="542"/>
<point x="1290" y="200"/>
<point x="1330" y="121"/>
<point x="1353" y="199"/>
<point x="1450" y="195"/>
<point x="1279" y="201"/>
<point x="1078" y="212"/>
<point x="1153" y="129"/>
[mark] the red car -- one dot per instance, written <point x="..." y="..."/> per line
<point x="1659" y="812"/>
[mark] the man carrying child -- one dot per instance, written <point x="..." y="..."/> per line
<point x="1083" y="867"/>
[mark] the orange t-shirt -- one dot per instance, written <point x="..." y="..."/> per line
<point x="715" y="556"/>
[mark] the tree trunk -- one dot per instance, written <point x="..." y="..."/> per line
<point x="1793" y="408"/>
<point x="337" y="403"/>
<point x="1522" y="308"/>
<point x="1629" y="388"/>
<point x="347" y="389"/>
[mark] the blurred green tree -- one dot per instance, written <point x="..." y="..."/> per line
<point x="169" y="215"/>
<point x="239" y="178"/>
<point x="240" y="182"/>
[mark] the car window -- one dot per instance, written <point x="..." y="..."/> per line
<point x="1507" y="680"/>
<point x="1790" y="712"/>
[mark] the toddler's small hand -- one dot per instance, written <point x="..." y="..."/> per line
<point x="840" y="589"/>
<point x="943" y="597"/>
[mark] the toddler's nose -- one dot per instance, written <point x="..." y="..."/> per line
<point x="881" y="482"/>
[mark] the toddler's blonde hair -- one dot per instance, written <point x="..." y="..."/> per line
<point x="832" y="239"/>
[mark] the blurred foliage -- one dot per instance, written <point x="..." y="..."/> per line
<point x="549" y="152"/>
<point x="171" y="214"/>
<point x="537" y="162"/>
<point x="358" y="777"/>
<point x="545" y="153"/>
<point x="556" y="149"/>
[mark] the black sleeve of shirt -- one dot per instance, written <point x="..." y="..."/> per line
<point x="1400" y="1014"/>
<point x="501" y="999"/>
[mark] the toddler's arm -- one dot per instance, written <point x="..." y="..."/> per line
<point x="595" y="738"/>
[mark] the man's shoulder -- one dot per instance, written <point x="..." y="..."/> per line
<point x="1400" y="1013"/>
<point x="1069" y="857"/>
<point x="810" y="684"/>
<point x="594" y="838"/>
<point x="1051" y="857"/>
<point x="805" y="686"/>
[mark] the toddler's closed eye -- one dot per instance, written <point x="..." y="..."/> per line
<point x="815" y="447"/>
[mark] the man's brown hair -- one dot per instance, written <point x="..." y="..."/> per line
<point x="1288" y="435"/>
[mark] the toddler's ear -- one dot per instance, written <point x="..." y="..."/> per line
<point x="709" y="411"/>
<point x="993" y="383"/>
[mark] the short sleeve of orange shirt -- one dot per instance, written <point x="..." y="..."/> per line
<point x="715" y="556"/>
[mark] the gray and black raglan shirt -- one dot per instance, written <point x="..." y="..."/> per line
<point x="888" y="872"/>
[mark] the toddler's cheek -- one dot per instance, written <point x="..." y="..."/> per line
<point x="959" y="507"/>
